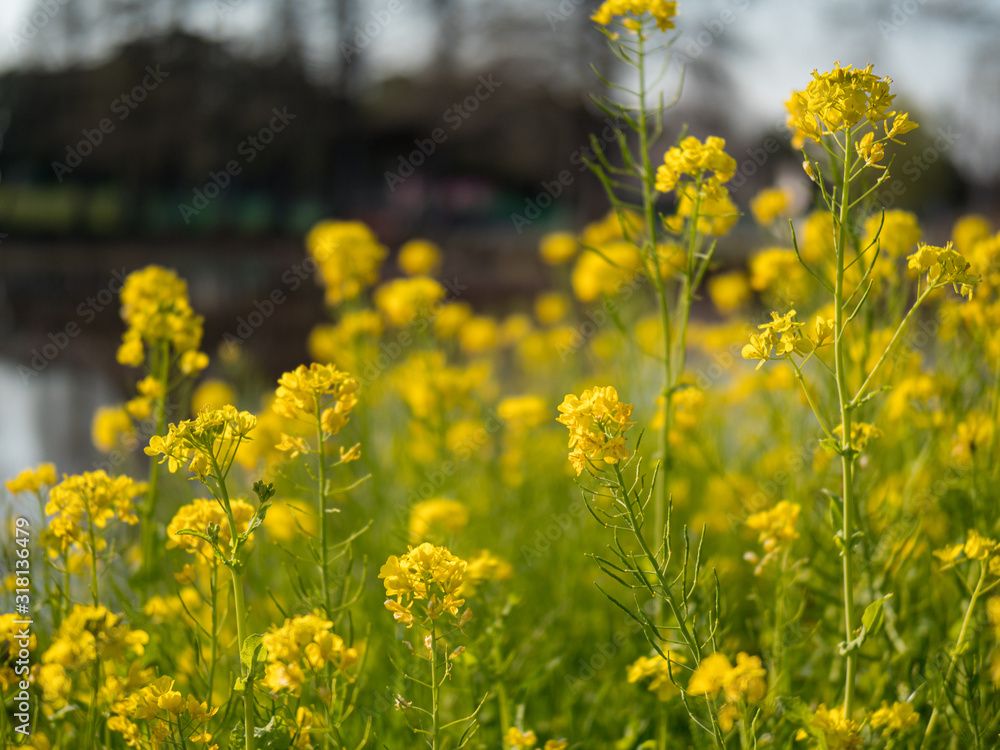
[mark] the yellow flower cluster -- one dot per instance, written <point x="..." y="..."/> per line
<point x="349" y="257"/>
<point x="156" y="309"/>
<point x="437" y="518"/>
<point x="89" y="633"/>
<point x="777" y="525"/>
<point x="557" y="247"/>
<point x="482" y="567"/>
<point x="782" y="337"/>
<point x="207" y="517"/>
<point x="90" y="499"/>
<point x="111" y="428"/>
<point x="348" y="343"/>
<point x="900" y="231"/>
<point x="318" y="392"/>
<point x="840" y="99"/>
<point x="777" y="270"/>
<point x="529" y="740"/>
<point x="419" y="258"/>
<point x="662" y="11"/>
<point x="715" y="674"/>
<point x="839" y="732"/>
<point x="425" y="573"/>
<point x="158" y="704"/>
<point x="520" y="414"/>
<point x="597" y="423"/>
<point x="944" y="265"/>
<point x="716" y="211"/>
<point x="768" y="205"/>
<point x="32" y="480"/>
<point x="696" y="160"/>
<point x="605" y="270"/>
<point x="431" y="387"/>
<point x="657" y="670"/>
<point x="976" y="547"/>
<point x="205" y="443"/>
<point x="401" y="301"/>
<point x="895" y="718"/>
<point x="303" y="646"/>
<point x="862" y="433"/>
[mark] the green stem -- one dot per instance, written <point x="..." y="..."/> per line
<point x="93" y="554"/>
<point x="956" y="650"/>
<point x="847" y="448"/>
<point x="434" y="689"/>
<point x="323" y="552"/>
<point x="214" y="633"/>
<point x="235" y="567"/>
<point x="162" y="367"/>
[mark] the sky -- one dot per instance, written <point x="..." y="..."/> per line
<point x="932" y="49"/>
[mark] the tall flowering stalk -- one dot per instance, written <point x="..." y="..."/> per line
<point x="845" y="112"/>
<point x="322" y="397"/>
<point x="424" y="587"/>
<point x="693" y="173"/>
<point x="207" y="446"/>
<point x="163" y="337"/>
<point x="598" y="422"/>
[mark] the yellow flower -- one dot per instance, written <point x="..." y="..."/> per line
<point x="32" y="480"/>
<point x="437" y="518"/>
<point x="89" y="633"/>
<point x="211" y="394"/>
<point x="746" y="681"/>
<point x="419" y="258"/>
<point x="978" y="547"/>
<point x="839" y="732"/>
<point x="597" y="423"/>
<point x="768" y="205"/>
<point x="303" y="645"/>
<point x="286" y="522"/>
<point x="658" y="670"/>
<point x="777" y="270"/>
<point x="349" y="257"/>
<point x="841" y="99"/>
<point x="606" y="270"/>
<point x="521" y="413"/>
<point x="696" y="160"/>
<point x="451" y="318"/>
<point x="551" y="307"/>
<point x="861" y="434"/>
<point x="482" y="567"/>
<point x="212" y="436"/>
<point x="709" y="678"/>
<point x="895" y="718"/>
<point x="777" y="525"/>
<point x="900" y="232"/>
<point x="729" y="291"/>
<point x="969" y="231"/>
<point x="199" y="516"/>
<point x="661" y="11"/>
<point x="155" y="307"/>
<point x="318" y="392"/>
<point x="401" y="301"/>
<point x="557" y="247"/>
<point x="111" y="428"/>
<point x="424" y="574"/>
<point x="943" y="265"/>
<point x="92" y="498"/>
<point x="477" y="335"/>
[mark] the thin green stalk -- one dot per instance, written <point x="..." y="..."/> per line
<point x="434" y="689"/>
<point x="958" y="646"/>
<point x="162" y="367"/>
<point x="214" y="633"/>
<point x="323" y="552"/>
<point x="93" y="555"/>
<point x="239" y="603"/>
<point x="847" y="447"/>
